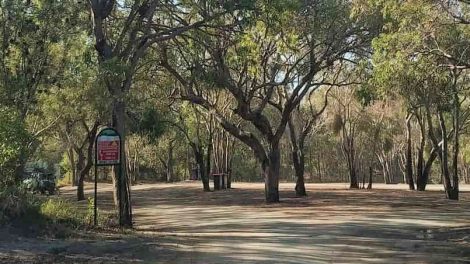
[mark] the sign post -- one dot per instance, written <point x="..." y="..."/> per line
<point x="107" y="153"/>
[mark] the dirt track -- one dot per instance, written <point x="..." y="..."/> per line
<point x="178" y="223"/>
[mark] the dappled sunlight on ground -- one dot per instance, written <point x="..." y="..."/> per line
<point x="179" y="223"/>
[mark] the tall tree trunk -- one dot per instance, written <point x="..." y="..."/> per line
<point x="363" y="177"/>
<point x="199" y="157"/>
<point x="350" y="153"/>
<point x="210" y="130"/>
<point x="81" y="177"/>
<point x="128" y="163"/>
<point x="135" y="167"/>
<point x="86" y="162"/>
<point x="71" y="156"/>
<point x="229" y="151"/>
<point x="466" y="173"/>
<point x="320" y="167"/>
<point x="208" y="159"/>
<point x="352" y="173"/>
<point x="456" y="124"/>
<point x="299" y="165"/>
<point x="119" y="110"/>
<point x="271" y="171"/>
<point x="169" y="167"/>
<point x="189" y="166"/>
<point x="443" y="157"/>
<point x="353" y="178"/>
<point x="422" y="174"/>
<point x="384" y="170"/>
<point x="369" y="186"/>
<point x="409" y="157"/>
<point x="298" y="158"/>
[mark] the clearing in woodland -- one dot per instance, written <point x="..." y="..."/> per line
<point x="178" y="223"/>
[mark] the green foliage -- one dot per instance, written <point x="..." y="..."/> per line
<point x="237" y="5"/>
<point x="90" y="210"/>
<point x="406" y="58"/>
<point x="77" y="94"/>
<point x="51" y="71"/>
<point x="66" y="171"/>
<point x="113" y="68"/>
<point x="13" y="144"/>
<point x="59" y="211"/>
<point x="152" y="124"/>
<point x="466" y="150"/>
<point x="245" y="166"/>
<point x="365" y="95"/>
<point x="44" y="52"/>
<point x="32" y="32"/>
<point x="16" y="203"/>
<point x="53" y="216"/>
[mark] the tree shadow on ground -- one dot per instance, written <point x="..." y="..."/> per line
<point x="179" y="223"/>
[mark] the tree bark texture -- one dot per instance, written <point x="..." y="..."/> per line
<point x="85" y="160"/>
<point x="125" y="209"/>
<point x="199" y="157"/>
<point x="409" y="157"/>
<point x="271" y="170"/>
<point x="298" y="158"/>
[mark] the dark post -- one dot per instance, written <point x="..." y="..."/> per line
<point x="96" y="184"/>
<point x="369" y="186"/>
<point x="118" y="167"/>
<point x="95" y="199"/>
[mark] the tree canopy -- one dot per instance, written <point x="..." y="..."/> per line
<point x="324" y="90"/>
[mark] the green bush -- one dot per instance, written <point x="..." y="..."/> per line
<point x="59" y="211"/>
<point x="66" y="172"/>
<point x="17" y="203"/>
<point x="13" y="145"/>
<point x="20" y="208"/>
<point x="31" y="215"/>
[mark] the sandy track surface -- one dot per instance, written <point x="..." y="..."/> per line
<point x="178" y="223"/>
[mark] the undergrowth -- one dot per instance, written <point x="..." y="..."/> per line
<point x="32" y="215"/>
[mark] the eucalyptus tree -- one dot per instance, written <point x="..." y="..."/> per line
<point x="212" y="147"/>
<point x="386" y="133"/>
<point x="193" y="124"/>
<point x="123" y="33"/>
<point x="283" y="47"/>
<point x="424" y="55"/>
<point x="300" y="125"/>
<point x="31" y="33"/>
<point x="80" y="101"/>
<point x="345" y="124"/>
<point x="448" y="46"/>
<point x="224" y="143"/>
<point x="76" y="130"/>
<point x="186" y="121"/>
<point x="303" y="119"/>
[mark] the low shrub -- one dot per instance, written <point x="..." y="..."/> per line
<point x="16" y="203"/>
<point x="32" y="215"/>
<point x="59" y="211"/>
<point x="64" y="181"/>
